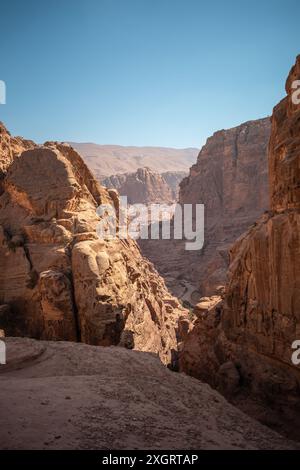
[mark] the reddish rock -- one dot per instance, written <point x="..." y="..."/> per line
<point x="260" y="318"/>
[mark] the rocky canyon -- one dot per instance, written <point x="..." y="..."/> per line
<point x="242" y="344"/>
<point x="91" y="323"/>
<point x="230" y="178"/>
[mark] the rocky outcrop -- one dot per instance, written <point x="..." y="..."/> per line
<point x="145" y="186"/>
<point x="10" y="147"/>
<point x="260" y="318"/>
<point x="59" y="280"/>
<point x="231" y="179"/>
<point x="64" y="395"/>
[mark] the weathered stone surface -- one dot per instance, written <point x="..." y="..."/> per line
<point x="231" y="179"/>
<point x="145" y="186"/>
<point x="10" y="147"/>
<point x="107" y="160"/>
<point x="260" y="317"/>
<point x="199" y="356"/>
<point x="262" y="304"/>
<point x="59" y="279"/>
<point x="173" y="179"/>
<point x="64" y="395"/>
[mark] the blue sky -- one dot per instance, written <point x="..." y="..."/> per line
<point x="143" y="72"/>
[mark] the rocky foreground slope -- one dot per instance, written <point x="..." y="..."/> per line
<point x="248" y="340"/>
<point x="58" y="280"/>
<point x="146" y="186"/>
<point x="61" y="395"/>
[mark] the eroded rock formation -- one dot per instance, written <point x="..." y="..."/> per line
<point x="107" y="160"/>
<point x="10" y="147"/>
<point x="145" y="186"/>
<point x="231" y="179"/>
<point x="58" y="280"/>
<point x="260" y="319"/>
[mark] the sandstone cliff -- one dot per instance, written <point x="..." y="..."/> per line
<point x="144" y="186"/>
<point x="248" y="343"/>
<point x="58" y="280"/>
<point x="10" y="147"/>
<point x="231" y="179"/>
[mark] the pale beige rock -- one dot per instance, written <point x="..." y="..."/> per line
<point x="64" y="395"/>
<point x="146" y="186"/>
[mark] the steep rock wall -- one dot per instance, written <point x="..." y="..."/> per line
<point x="251" y="344"/>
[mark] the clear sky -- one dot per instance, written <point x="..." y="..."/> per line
<point x="143" y="72"/>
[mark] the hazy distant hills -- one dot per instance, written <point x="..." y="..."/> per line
<point x="107" y="160"/>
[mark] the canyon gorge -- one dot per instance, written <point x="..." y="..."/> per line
<point x="223" y="319"/>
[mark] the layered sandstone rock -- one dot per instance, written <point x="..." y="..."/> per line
<point x="10" y="147"/>
<point x="144" y="186"/>
<point x="58" y="279"/>
<point x="231" y="179"/>
<point x="260" y="318"/>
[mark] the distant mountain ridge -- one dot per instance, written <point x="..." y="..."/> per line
<point x="107" y="160"/>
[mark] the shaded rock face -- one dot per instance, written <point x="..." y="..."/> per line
<point x="145" y="186"/>
<point x="231" y="179"/>
<point x="260" y="318"/>
<point x="173" y="179"/>
<point x="76" y="396"/>
<point x="59" y="280"/>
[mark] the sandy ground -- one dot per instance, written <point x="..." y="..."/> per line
<point x="61" y="395"/>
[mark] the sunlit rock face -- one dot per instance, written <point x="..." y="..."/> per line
<point x="260" y="316"/>
<point x="58" y="280"/>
